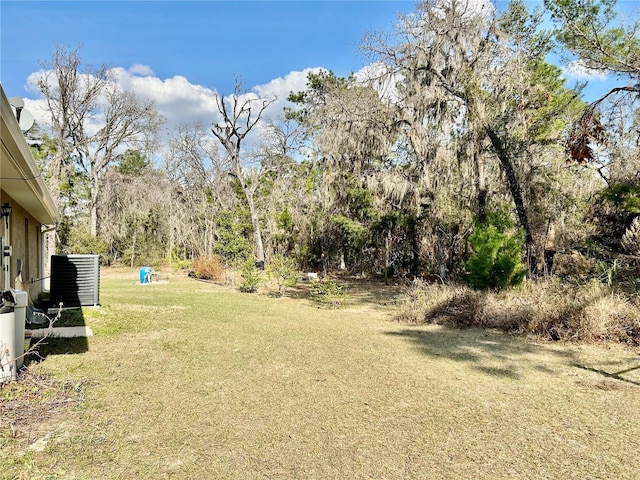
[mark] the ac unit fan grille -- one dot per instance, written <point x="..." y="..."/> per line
<point x="75" y="280"/>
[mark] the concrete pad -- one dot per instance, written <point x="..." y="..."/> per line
<point x="63" y="332"/>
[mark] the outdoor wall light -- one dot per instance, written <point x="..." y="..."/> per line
<point x="6" y="209"/>
<point x="5" y="212"/>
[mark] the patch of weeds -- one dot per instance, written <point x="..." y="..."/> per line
<point x="24" y="462"/>
<point x="552" y="309"/>
<point x="328" y="293"/>
<point x="180" y="265"/>
<point x="106" y="321"/>
<point x="26" y="403"/>
<point x="440" y="304"/>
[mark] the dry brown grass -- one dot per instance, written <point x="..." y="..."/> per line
<point x="237" y="386"/>
<point x="548" y="308"/>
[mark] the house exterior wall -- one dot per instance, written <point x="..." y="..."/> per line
<point x="25" y="239"/>
<point x="23" y="188"/>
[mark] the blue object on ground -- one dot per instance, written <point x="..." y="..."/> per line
<point x="145" y="275"/>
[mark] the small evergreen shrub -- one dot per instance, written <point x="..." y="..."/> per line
<point x="496" y="262"/>
<point x="251" y="277"/>
<point x="178" y="264"/>
<point x="283" y="270"/>
<point x="234" y="232"/>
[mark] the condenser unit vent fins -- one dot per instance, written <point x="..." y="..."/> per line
<point x="75" y="280"/>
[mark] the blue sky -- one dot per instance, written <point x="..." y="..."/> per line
<point x="180" y="53"/>
<point x="208" y="42"/>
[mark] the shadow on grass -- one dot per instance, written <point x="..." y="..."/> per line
<point x="65" y="293"/>
<point x="489" y="352"/>
<point x="373" y="292"/>
<point x="56" y="345"/>
<point x="615" y="375"/>
<point x="358" y="293"/>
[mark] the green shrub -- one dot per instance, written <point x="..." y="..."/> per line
<point x="80" y="241"/>
<point x="234" y="233"/>
<point x="625" y="196"/>
<point x="283" y="270"/>
<point x="496" y="262"/>
<point x="251" y="277"/>
<point x="178" y="264"/>
<point x="328" y="292"/>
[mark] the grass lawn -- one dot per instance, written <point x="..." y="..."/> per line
<point x="191" y="380"/>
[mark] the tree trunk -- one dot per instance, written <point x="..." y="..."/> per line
<point x="516" y="194"/>
<point x="549" y="248"/>
<point x="94" y="209"/>
<point x="442" y="269"/>
<point x="481" y="182"/>
<point x="387" y="255"/>
<point x="257" y="234"/>
<point x="415" y="246"/>
<point x="133" y="249"/>
<point x="171" y="234"/>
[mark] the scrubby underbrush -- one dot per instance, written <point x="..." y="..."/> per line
<point x="209" y="268"/>
<point x="548" y="308"/>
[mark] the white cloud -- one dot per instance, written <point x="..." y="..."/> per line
<point x="280" y="88"/>
<point x="179" y="100"/>
<point x="576" y="71"/>
<point x="378" y="76"/>
<point x="38" y="110"/>
<point x="143" y="70"/>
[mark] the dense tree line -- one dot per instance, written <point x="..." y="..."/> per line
<point x="460" y="128"/>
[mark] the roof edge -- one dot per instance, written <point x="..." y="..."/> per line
<point x="20" y="164"/>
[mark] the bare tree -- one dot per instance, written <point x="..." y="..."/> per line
<point x="281" y="199"/>
<point x="196" y="172"/>
<point x="71" y="94"/>
<point x="78" y="100"/>
<point x="241" y="112"/>
<point x="135" y="216"/>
